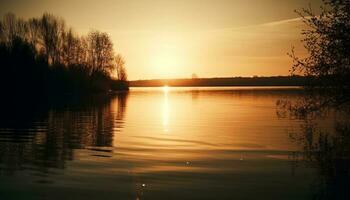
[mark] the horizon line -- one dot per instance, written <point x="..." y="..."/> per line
<point x="217" y="77"/>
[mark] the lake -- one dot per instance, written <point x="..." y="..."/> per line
<point x="155" y="143"/>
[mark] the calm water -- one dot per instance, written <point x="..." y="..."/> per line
<point x="154" y="143"/>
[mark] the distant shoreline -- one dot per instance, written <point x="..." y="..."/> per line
<point x="223" y="81"/>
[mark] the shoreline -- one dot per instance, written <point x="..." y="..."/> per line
<point x="223" y="82"/>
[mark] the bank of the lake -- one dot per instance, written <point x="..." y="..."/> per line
<point x="223" y="81"/>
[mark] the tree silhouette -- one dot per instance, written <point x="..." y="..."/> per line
<point x="100" y="52"/>
<point x="327" y="40"/>
<point x="51" y="30"/>
<point x="43" y="55"/>
<point x="327" y="93"/>
<point x="120" y="68"/>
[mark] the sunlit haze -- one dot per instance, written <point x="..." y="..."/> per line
<point x="173" y="39"/>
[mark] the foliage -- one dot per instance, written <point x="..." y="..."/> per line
<point x="327" y="92"/>
<point x="327" y="40"/>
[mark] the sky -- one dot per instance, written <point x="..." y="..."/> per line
<point x="176" y="38"/>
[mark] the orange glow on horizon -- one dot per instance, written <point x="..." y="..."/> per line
<point x="210" y="38"/>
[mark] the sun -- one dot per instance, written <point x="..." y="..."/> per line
<point x="168" y="58"/>
<point x="165" y="89"/>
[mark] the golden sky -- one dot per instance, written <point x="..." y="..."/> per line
<point x="175" y="38"/>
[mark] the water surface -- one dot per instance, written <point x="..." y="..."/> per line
<point x="154" y="143"/>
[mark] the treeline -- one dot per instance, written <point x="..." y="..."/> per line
<point x="234" y="81"/>
<point x="44" y="56"/>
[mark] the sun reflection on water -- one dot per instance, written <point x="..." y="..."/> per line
<point x="165" y="109"/>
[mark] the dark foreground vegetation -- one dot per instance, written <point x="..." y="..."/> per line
<point x="235" y="81"/>
<point x="43" y="57"/>
<point x="327" y="40"/>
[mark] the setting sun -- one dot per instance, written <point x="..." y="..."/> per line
<point x="165" y="89"/>
<point x="168" y="58"/>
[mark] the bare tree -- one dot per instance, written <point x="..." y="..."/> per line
<point x="52" y="29"/>
<point x="33" y="33"/>
<point x="12" y="28"/>
<point x="9" y="27"/>
<point x="82" y="54"/>
<point x="69" y="46"/>
<point x="120" y="68"/>
<point x="101" y="53"/>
